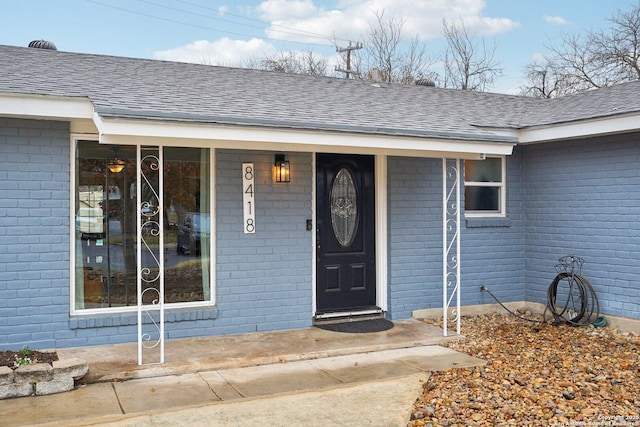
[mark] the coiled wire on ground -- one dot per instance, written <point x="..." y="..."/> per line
<point x="570" y="297"/>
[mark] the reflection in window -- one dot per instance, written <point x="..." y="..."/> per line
<point x="105" y="225"/>
<point x="484" y="186"/>
<point x="187" y="224"/>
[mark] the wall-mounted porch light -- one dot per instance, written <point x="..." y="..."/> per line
<point x="283" y="169"/>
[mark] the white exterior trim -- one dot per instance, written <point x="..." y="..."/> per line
<point x="118" y="131"/>
<point x="73" y="138"/>
<point x="45" y="107"/>
<point x="382" y="268"/>
<point x="314" y="253"/>
<point x="585" y="128"/>
<point x="503" y="195"/>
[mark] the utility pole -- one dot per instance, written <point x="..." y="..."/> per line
<point x="351" y="47"/>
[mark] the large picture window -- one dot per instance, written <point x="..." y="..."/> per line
<point x="484" y="187"/>
<point x="106" y="211"/>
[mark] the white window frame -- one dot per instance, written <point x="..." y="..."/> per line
<point x="502" y="208"/>
<point x="73" y="311"/>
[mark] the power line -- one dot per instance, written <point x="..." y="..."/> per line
<point x="293" y="32"/>
<point x="296" y="31"/>
<point x="174" y="21"/>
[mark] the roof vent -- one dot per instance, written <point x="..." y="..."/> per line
<point x="43" y="44"/>
<point x="425" y="82"/>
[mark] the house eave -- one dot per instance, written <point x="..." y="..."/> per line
<point x="45" y="107"/>
<point x="153" y="116"/>
<point x="579" y="129"/>
<point x="261" y="135"/>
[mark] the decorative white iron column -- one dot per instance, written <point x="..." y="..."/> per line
<point x="450" y="243"/>
<point x="150" y="244"/>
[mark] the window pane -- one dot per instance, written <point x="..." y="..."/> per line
<point x="105" y="226"/>
<point x="488" y="170"/>
<point x="482" y="199"/>
<point x="187" y="224"/>
<point x="344" y="208"/>
<point x="106" y="235"/>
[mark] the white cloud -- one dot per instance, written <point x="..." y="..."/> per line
<point x="232" y="53"/>
<point x="307" y="22"/>
<point x="556" y="20"/>
<point x="538" y="57"/>
<point x="275" y="10"/>
<point x="351" y="21"/>
<point x="220" y="52"/>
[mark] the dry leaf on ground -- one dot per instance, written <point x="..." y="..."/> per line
<point x="537" y="374"/>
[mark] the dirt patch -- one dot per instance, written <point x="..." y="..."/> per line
<point x="537" y="374"/>
<point x="13" y="359"/>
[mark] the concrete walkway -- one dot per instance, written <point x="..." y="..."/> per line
<point x="305" y="377"/>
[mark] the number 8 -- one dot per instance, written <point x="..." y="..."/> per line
<point x="248" y="172"/>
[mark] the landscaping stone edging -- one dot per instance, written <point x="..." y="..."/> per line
<point x="41" y="378"/>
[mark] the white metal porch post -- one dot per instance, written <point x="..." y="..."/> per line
<point x="450" y="243"/>
<point x="150" y="259"/>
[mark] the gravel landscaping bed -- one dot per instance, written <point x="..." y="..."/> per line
<point x="537" y="374"/>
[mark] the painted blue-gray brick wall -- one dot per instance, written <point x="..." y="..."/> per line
<point x="492" y="250"/>
<point x="573" y="197"/>
<point x="583" y="199"/>
<point x="415" y="235"/>
<point x="264" y="279"/>
<point x="34" y="232"/>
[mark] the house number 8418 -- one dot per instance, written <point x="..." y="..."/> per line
<point x="248" y="198"/>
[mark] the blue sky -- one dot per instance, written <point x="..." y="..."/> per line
<point x="226" y="32"/>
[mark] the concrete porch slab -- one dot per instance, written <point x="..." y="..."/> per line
<point x="214" y="377"/>
<point x="119" y="361"/>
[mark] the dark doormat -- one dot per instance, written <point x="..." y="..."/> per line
<point x="358" y="326"/>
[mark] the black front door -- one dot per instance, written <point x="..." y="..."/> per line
<point x="345" y="234"/>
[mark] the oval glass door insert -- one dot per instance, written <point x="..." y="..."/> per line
<point x="344" y="208"/>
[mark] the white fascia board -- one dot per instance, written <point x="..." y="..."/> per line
<point x="45" y="107"/>
<point x="122" y="131"/>
<point x="582" y="129"/>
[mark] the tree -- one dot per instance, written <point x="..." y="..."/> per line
<point x="291" y="62"/>
<point x="620" y="49"/>
<point x="591" y="60"/>
<point x="467" y="64"/>
<point x="387" y="59"/>
<point x="545" y="79"/>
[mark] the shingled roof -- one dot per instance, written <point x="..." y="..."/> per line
<point x="182" y="92"/>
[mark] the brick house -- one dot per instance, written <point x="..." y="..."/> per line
<point x="250" y="201"/>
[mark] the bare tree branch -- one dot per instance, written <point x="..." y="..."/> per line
<point x="545" y="80"/>
<point x="382" y="46"/>
<point x="295" y="62"/>
<point x="468" y="65"/>
<point x="591" y="60"/>
<point x="388" y="60"/>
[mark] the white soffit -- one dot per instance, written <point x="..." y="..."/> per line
<point x="45" y="107"/>
<point x="581" y="129"/>
<point x="123" y="131"/>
